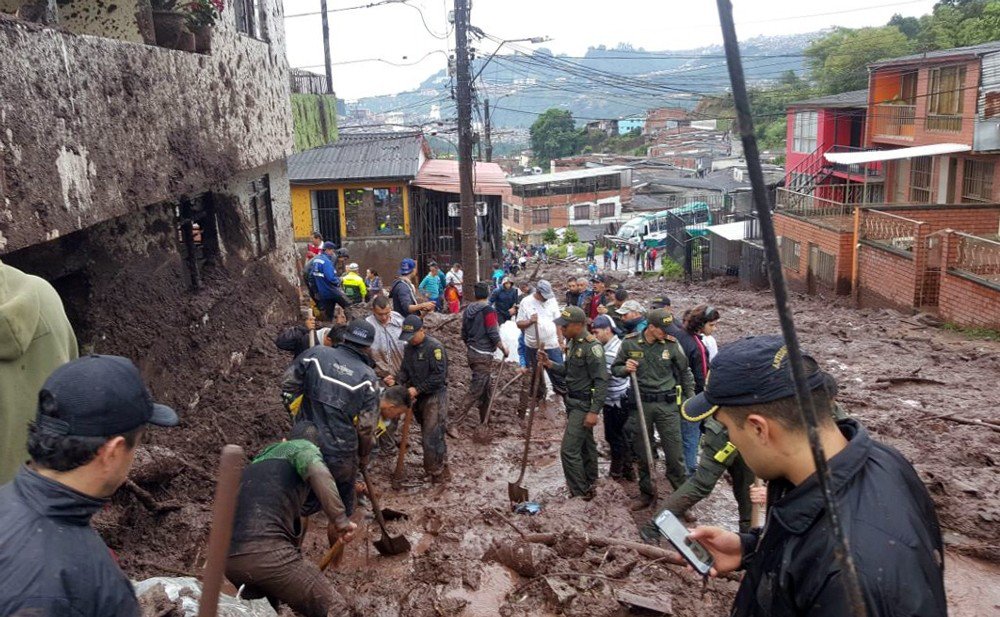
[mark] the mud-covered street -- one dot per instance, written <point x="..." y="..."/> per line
<point x="919" y="388"/>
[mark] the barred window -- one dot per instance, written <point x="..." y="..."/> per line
<point x="789" y="250"/>
<point x="581" y="213"/>
<point x="920" y="180"/>
<point x="977" y="183"/>
<point x="539" y="216"/>
<point x="506" y="212"/>
<point x="804" y="132"/>
<point x="607" y="210"/>
<point x="517" y="215"/>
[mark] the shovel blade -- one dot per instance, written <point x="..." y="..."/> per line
<point x="483" y="435"/>
<point x="393" y="515"/>
<point x="516" y="493"/>
<point x="392" y="545"/>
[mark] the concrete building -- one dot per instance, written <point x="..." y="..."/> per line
<point x="581" y="197"/>
<point x="149" y="184"/>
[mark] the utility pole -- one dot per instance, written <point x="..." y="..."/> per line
<point x="326" y="47"/>
<point x="463" y="95"/>
<point x="486" y="130"/>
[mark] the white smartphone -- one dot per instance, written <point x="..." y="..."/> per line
<point x="678" y="535"/>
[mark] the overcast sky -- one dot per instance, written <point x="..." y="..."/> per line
<point x="392" y="32"/>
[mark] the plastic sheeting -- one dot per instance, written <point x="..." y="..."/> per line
<point x="188" y="591"/>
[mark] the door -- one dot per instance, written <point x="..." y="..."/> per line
<point x="326" y="214"/>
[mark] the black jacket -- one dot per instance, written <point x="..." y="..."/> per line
<point x="296" y="339"/>
<point x="402" y="296"/>
<point x="424" y="367"/>
<point x="891" y="527"/>
<point x="338" y="385"/>
<point x="480" y="328"/>
<point x="52" y="562"/>
<point x="696" y="354"/>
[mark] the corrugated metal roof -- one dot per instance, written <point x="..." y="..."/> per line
<point x="360" y="156"/>
<point x="940" y="54"/>
<point x="573" y="174"/>
<point x="442" y="175"/>
<point x="854" y="98"/>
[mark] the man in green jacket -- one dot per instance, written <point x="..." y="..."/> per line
<point x="665" y="380"/>
<point x="586" y="377"/>
<point x="35" y="338"/>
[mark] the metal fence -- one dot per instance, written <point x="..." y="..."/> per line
<point x="753" y="265"/>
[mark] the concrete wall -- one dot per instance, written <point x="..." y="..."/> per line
<point x="94" y="128"/>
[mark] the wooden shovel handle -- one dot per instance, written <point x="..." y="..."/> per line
<point x="398" y="473"/>
<point x="756" y="512"/>
<point x="333" y="556"/>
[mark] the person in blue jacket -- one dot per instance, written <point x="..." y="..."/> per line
<point x="327" y="281"/>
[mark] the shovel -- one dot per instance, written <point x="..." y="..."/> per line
<point x="386" y="545"/>
<point x="483" y="435"/>
<point x="334" y="556"/>
<point x="645" y="434"/>
<point x="515" y="491"/>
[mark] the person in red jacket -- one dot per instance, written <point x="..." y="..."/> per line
<point x="315" y="247"/>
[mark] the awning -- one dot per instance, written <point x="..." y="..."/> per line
<point x="442" y="175"/>
<point x="872" y="156"/>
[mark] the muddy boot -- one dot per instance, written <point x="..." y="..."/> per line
<point x="689" y="517"/>
<point x="441" y="477"/>
<point x="589" y="495"/>
<point x="628" y="472"/>
<point x="650" y="534"/>
<point x="617" y="469"/>
<point x="641" y="502"/>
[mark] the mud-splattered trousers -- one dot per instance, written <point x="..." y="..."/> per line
<point x="431" y="411"/>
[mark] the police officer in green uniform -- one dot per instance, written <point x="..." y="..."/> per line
<point x="665" y="380"/>
<point x="587" y="386"/>
<point x="717" y="455"/>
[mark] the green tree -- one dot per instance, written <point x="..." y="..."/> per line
<point x="839" y="61"/>
<point x="570" y="236"/>
<point x="554" y="135"/>
<point x="550" y="237"/>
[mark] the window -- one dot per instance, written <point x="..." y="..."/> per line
<point x="539" y="216"/>
<point x="977" y="183"/>
<point x="374" y="212"/>
<point x="920" y="180"/>
<point x="517" y="215"/>
<point x="804" y="132"/>
<point x="789" y="251"/>
<point x="581" y="213"/>
<point x="908" y="88"/>
<point x="506" y="212"/>
<point x="249" y="18"/>
<point x="197" y="233"/>
<point x="263" y="215"/>
<point x="607" y="210"/>
<point x="944" y="98"/>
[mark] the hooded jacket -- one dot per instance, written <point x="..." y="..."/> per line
<point x="35" y="338"/>
<point x="53" y="563"/>
<point x="480" y="328"/>
<point x="504" y="299"/>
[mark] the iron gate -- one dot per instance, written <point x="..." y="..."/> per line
<point x="326" y="210"/>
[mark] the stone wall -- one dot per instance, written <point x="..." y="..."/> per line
<point x="94" y="128"/>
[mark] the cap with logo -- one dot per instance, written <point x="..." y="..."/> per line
<point x="598" y="278"/>
<point x="407" y="265"/>
<point x="660" y="318"/>
<point x="750" y="371"/>
<point x="545" y="289"/>
<point x="329" y="246"/>
<point x="630" y="306"/>
<point x="411" y="325"/>
<point x="603" y="321"/>
<point x="360" y="332"/>
<point x="98" y="396"/>
<point x="571" y="314"/>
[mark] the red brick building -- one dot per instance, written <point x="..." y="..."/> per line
<point x="580" y="197"/>
<point x="911" y="218"/>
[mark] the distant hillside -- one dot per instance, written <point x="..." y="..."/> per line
<point x="605" y="83"/>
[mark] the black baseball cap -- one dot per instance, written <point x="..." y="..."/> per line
<point x="659" y="302"/>
<point x="571" y="314"/>
<point x="98" y="396"/>
<point x="360" y="332"/>
<point x="750" y="371"/>
<point x="411" y="324"/>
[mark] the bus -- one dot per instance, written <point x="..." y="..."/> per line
<point x="653" y="228"/>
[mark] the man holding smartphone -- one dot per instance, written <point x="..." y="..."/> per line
<point x="887" y="514"/>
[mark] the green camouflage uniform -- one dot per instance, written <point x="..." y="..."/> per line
<point x="659" y="362"/>
<point x="587" y="384"/>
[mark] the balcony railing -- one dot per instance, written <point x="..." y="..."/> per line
<point x="936" y="122"/>
<point x="978" y="256"/>
<point x="894" y="120"/>
<point x="873" y="170"/>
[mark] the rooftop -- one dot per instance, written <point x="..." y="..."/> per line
<point x="854" y="98"/>
<point x="361" y="156"/>
<point x="940" y="54"/>
<point x="442" y="175"/>
<point x="573" y="174"/>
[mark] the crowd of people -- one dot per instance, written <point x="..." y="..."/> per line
<point x="657" y="378"/>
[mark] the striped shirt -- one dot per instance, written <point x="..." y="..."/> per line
<point x="616" y="385"/>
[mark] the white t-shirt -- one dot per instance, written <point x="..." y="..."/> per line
<point x="711" y="346"/>
<point x="454" y="277"/>
<point x="547" y="312"/>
